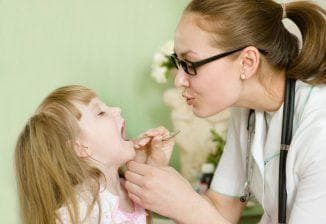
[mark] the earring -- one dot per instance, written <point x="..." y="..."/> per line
<point x="242" y="72"/>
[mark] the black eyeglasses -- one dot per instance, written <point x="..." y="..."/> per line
<point x="190" y="67"/>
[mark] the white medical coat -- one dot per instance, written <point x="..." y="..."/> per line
<point x="306" y="160"/>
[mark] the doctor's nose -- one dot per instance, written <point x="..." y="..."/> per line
<point x="181" y="78"/>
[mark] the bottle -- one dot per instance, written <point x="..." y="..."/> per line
<point x="207" y="171"/>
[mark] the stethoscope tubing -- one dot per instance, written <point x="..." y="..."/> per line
<point x="286" y="138"/>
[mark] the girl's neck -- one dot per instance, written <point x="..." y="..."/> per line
<point x="111" y="180"/>
<point x="114" y="185"/>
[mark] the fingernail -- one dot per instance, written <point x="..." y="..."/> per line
<point x="158" y="138"/>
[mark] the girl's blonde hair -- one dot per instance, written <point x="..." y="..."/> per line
<point x="47" y="167"/>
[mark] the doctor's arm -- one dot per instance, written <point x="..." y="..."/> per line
<point x="164" y="191"/>
<point x="230" y="207"/>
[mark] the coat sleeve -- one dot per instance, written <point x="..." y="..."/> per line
<point x="229" y="177"/>
<point x="310" y="200"/>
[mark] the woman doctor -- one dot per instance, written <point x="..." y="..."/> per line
<point x="239" y="54"/>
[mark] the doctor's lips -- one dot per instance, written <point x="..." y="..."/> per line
<point x="188" y="98"/>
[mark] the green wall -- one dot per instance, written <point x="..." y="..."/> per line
<point x="104" y="44"/>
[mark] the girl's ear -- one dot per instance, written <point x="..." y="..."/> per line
<point x="81" y="150"/>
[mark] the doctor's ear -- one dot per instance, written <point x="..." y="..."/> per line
<point x="81" y="150"/>
<point x="250" y="59"/>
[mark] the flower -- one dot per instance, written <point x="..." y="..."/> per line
<point x="161" y="65"/>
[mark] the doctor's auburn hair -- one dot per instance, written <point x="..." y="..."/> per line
<point x="258" y="23"/>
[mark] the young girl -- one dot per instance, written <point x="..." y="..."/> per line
<point x="67" y="159"/>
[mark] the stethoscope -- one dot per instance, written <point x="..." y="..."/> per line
<point x="286" y="137"/>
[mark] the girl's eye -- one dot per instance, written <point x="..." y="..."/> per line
<point x="101" y="113"/>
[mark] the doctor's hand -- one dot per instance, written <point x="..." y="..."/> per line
<point x="160" y="189"/>
<point x="152" y="148"/>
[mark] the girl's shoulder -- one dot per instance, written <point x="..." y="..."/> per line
<point x="84" y="200"/>
<point x="107" y="206"/>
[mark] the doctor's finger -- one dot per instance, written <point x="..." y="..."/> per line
<point x="133" y="189"/>
<point x="139" y="168"/>
<point x="135" y="199"/>
<point x="141" y="141"/>
<point x="134" y="178"/>
<point x="157" y="131"/>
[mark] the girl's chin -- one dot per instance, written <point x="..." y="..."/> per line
<point x="126" y="159"/>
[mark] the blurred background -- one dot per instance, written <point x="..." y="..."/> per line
<point x="106" y="45"/>
<point x="111" y="47"/>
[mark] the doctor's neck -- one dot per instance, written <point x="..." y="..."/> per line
<point x="263" y="91"/>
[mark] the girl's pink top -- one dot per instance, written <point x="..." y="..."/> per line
<point x="110" y="211"/>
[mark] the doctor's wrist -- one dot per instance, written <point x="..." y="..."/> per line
<point x="197" y="210"/>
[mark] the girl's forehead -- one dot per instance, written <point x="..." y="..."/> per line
<point x="92" y="105"/>
<point x="95" y="102"/>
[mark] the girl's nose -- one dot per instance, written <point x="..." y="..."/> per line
<point x="181" y="78"/>
<point x="116" y="111"/>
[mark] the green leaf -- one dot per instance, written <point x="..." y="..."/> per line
<point x="215" y="156"/>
